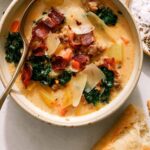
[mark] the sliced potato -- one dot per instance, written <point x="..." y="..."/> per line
<point x="67" y="100"/>
<point x="100" y="25"/>
<point x="74" y="14"/>
<point x="47" y="97"/>
<point x="76" y="88"/>
<point x="31" y="87"/>
<point x="94" y="76"/>
<point x="96" y="20"/>
<point x="116" y="51"/>
<point x="52" y="43"/>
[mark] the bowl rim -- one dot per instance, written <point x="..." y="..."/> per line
<point x="94" y="118"/>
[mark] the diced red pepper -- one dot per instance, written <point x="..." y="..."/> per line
<point x="41" y="31"/>
<point x="82" y="59"/>
<point x="75" y="65"/>
<point x="15" y="26"/>
<point x="26" y="75"/>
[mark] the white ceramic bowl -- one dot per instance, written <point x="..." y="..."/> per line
<point x="69" y="121"/>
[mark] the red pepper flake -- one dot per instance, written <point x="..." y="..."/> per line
<point x="26" y="74"/>
<point x="78" y="22"/>
<point x="63" y="112"/>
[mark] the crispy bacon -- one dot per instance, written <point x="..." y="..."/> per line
<point x="82" y="59"/>
<point x="81" y="40"/>
<point x="40" y="30"/>
<point x="38" y="46"/>
<point x="36" y="43"/>
<point x="74" y="40"/>
<point x="59" y="63"/>
<point x="54" y="19"/>
<point x="87" y="39"/>
<point x="26" y="75"/>
<point x="56" y="16"/>
<point x="39" y="52"/>
<point x="50" y="23"/>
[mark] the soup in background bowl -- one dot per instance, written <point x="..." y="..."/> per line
<point x="84" y="59"/>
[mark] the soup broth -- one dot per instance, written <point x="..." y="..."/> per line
<point x="83" y="59"/>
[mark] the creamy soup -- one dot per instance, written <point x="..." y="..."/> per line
<point x="81" y="55"/>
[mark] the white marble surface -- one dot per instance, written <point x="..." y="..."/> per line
<point x="20" y="131"/>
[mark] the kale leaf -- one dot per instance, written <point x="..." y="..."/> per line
<point x="40" y="69"/>
<point x="107" y="15"/>
<point x="107" y="84"/>
<point x="92" y="96"/>
<point x="65" y="77"/>
<point x="95" y="96"/>
<point x="109" y="81"/>
<point x="13" y="46"/>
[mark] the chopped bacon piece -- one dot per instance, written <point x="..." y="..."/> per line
<point x="39" y="52"/>
<point x="26" y="75"/>
<point x="50" y="23"/>
<point x="81" y="40"/>
<point x="82" y="59"/>
<point x="87" y="39"/>
<point x="40" y="30"/>
<point x="74" y="40"/>
<point x="36" y="43"/>
<point x="54" y="19"/>
<point x="37" y="46"/>
<point x="56" y="16"/>
<point x="59" y="63"/>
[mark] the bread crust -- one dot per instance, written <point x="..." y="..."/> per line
<point x="129" y="117"/>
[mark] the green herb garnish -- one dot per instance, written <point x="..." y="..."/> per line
<point x="107" y="15"/>
<point x="13" y="46"/>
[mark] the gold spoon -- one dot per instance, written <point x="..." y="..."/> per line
<point x="23" y="57"/>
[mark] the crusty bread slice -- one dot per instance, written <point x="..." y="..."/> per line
<point x="131" y="132"/>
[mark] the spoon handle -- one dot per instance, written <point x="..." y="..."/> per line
<point x="23" y="57"/>
<point x="11" y="83"/>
